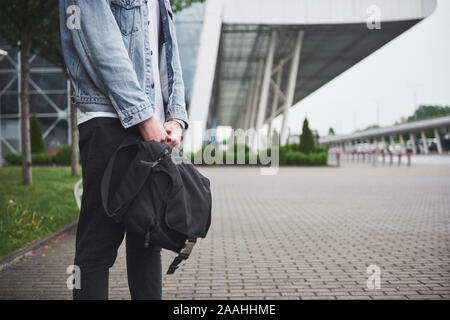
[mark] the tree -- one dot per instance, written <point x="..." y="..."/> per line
<point x="428" y="112"/>
<point x="178" y="5"/>
<point x="307" y="143"/>
<point x="49" y="47"/>
<point x="21" y="21"/>
<point x="331" y="132"/>
<point x="374" y="126"/>
<point x="37" y="144"/>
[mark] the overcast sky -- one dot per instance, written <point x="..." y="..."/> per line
<point x="418" y="60"/>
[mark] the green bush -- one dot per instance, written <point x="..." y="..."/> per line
<point x="319" y="158"/>
<point x="282" y="151"/>
<point x="297" y="157"/>
<point x="307" y="143"/>
<point x="41" y="158"/>
<point x="293" y="157"/>
<point x="13" y="158"/>
<point x="62" y="156"/>
<point x="37" y="144"/>
<point x="319" y="149"/>
<point x="36" y="158"/>
<point x="240" y="146"/>
<point x="293" y="147"/>
<point x="288" y="154"/>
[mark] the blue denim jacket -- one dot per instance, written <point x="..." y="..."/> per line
<point x="106" y="48"/>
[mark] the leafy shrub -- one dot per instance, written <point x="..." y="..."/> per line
<point x="41" y="158"/>
<point x="62" y="156"/>
<point x="36" y="158"/>
<point x="307" y="143"/>
<point x="13" y="158"/>
<point x="319" y="149"/>
<point x="297" y="157"/>
<point x="240" y="146"/>
<point x="293" y="157"/>
<point x="293" y="147"/>
<point x="288" y="154"/>
<point x="37" y="144"/>
<point x="282" y="151"/>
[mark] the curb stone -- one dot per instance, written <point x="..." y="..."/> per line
<point x="28" y="250"/>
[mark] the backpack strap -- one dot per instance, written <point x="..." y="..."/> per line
<point x="133" y="180"/>
<point x="138" y="179"/>
<point x="183" y="255"/>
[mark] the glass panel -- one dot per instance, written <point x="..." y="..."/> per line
<point x="39" y="104"/>
<point x="39" y="62"/>
<point x="58" y="135"/>
<point x="10" y="130"/>
<point x="49" y="81"/>
<point x="188" y="26"/>
<point x="5" y="80"/>
<point x="9" y="104"/>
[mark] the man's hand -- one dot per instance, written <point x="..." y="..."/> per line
<point x="174" y="132"/>
<point x="152" y="129"/>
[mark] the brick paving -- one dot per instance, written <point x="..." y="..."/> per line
<point x="305" y="233"/>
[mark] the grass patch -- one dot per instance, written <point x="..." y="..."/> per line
<point x="31" y="212"/>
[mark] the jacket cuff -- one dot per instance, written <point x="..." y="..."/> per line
<point x="132" y="116"/>
<point x="178" y="113"/>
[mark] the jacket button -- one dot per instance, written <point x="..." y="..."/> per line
<point x="148" y="22"/>
<point x="128" y="2"/>
<point x="153" y="85"/>
<point x="151" y="52"/>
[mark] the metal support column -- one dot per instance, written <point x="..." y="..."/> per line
<point x="402" y="143"/>
<point x="275" y="102"/>
<point x="424" y="142"/>
<point x="391" y="141"/>
<point x="266" y="81"/>
<point x="291" y="84"/>
<point x="249" y="104"/>
<point x="255" y="95"/>
<point x="438" y="141"/>
<point x="413" y="143"/>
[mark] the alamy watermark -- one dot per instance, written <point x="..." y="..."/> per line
<point x="243" y="147"/>
<point x="73" y="20"/>
<point x="374" y="280"/>
<point x="373" y="21"/>
<point x="74" y="280"/>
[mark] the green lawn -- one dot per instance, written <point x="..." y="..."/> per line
<point x="31" y="212"/>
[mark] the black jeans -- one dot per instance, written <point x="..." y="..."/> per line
<point x="98" y="238"/>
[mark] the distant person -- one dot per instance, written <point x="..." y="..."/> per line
<point x="123" y="62"/>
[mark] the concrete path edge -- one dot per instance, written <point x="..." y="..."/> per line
<point x="22" y="253"/>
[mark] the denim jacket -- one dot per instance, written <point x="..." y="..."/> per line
<point x="106" y="48"/>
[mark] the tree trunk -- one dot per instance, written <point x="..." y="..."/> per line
<point x="74" y="135"/>
<point x="25" y="45"/>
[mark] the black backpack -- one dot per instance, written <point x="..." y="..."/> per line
<point x="162" y="197"/>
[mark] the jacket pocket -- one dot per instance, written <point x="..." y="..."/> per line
<point x="127" y="14"/>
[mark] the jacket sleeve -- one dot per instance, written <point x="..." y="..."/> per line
<point x="177" y="104"/>
<point x="99" y="45"/>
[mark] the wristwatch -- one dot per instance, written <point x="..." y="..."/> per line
<point x="181" y="122"/>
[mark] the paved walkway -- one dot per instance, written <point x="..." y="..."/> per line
<point x="305" y="233"/>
